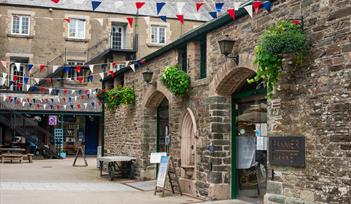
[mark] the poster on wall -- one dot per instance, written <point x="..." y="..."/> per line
<point x="52" y="120"/>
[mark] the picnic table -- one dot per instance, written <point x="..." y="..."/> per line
<point x="12" y="154"/>
<point x="118" y="166"/>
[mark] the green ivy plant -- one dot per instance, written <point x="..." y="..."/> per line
<point x="285" y="37"/>
<point x="176" y="80"/>
<point x="117" y="96"/>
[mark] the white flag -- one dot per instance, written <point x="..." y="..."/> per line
<point x="55" y="67"/>
<point x="118" y="4"/>
<point x="132" y="66"/>
<point x="4" y="75"/>
<point x="44" y="106"/>
<point x="65" y="107"/>
<point x="50" y="90"/>
<point x="91" y="67"/>
<point x="28" y="87"/>
<point x="102" y="75"/>
<point x="75" y="98"/>
<point x="85" y="105"/>
<point x="237" y="5"/>
<point x="3" y="80"/>
<point x="18" y="66"/>
<point x="73" y="91"/>
<point x="21" y="99"/>
<point x="36" y="80"/>
<point x="197" y="15"/>
<point x="58" y="100"/>
<point x="23" y="103"/>
<point x="180" y="6"/>
<point x="90" y="91"/>
<point x="126" y="63"/>
<point x="249" y="10"/>
<point x="4" y="98"/>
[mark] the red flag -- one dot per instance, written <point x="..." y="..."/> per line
<point x="256" y="6"/>
<point x="42" y="66"/>
<point x="198" y="5"/>
<point x="55" y="1"/>
<point x="86" y="91"/>
<point x="78" y="106"/>
<point x="15" y="77"/>
<point x="64" y="100"/>
<point x="58" y="107"/>
<point x="99" y="102"/>
<point x="111" y="73"/>
<point x="19" y="85"/>
<point x="139" y="4"/>
<point x="68" y="20"/>
<point x="231" y="12"/>
<point x="181" y="18"/>
<point x="65" y="91"/>
<point x="48" y="80"/>
<point x="130" y="21"/>
<point x="42" y="89"/>
<point x="38" y="105"/>
<point x="80" y="79"/>
<point x="82" y="96"/>
<point x="79" y="68"/>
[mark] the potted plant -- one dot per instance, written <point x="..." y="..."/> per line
<point x="285" y="38"/>
<point x="176" y="80"/>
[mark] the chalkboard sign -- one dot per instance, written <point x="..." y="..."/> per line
<point x="287" y="151"/>
<point x="162" y="172"/>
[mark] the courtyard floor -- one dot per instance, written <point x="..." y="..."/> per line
<point x="57" y="182"/>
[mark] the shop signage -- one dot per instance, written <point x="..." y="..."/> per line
<point x="162" y="171"/>
<point x="287" y="151"/>
<point x="52" y="120"/>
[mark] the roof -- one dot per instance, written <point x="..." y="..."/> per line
<point x="191" y="35"/>
<point x="128" y="7"/>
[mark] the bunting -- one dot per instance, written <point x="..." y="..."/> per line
<point x="95" y="4"/>
<point x="159" y="6"/>
<point x="180" y="6"/>
<point x="213" y="14"/>
<point x="41" y="67"/>
<point x="180" y="18"/>
<point x="132" y="66"/>
<point x="231" y="13"/>
<point x="18" y="66"/>
<point x="139" y="4"/>
<point x="248" y="8"/>
<point x="29" y="67"/>
<point x="91" y="67"/>
<point x="256" y="6"/>
<point x="237" y="5"/>
<point x="267" y="5"/>
<point x="199" y="5"/>
<point x="163" y="18"/>
<point x="219" y="6"/>
<point x="55" y="1"/>
<point x="130" y="21"/>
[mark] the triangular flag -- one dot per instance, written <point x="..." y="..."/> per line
<point x="111" y="73"/>
<point x="79" y="68"/>
<point x="198" y="5"/>
<point x="4" y="75"/>
<point x="95" y="4"/>
<point x="180" y="18"/>
<point x="18" y="66"/>
<point x="19" y="85"/>
<point x="78" y="106"/>
<point x="163" y="18"/>
<point x="3" y="80"/>
<point x="68" y="20"/>
<point x="65" y="107"/>
<point x="75" y="98"/>
<point x="231" y="13"/>
<point x="159" y="6"/>
<point x="23" y="103"/>
<point x="267" y="5"/>
<point x="132" y="66"/>
<point x="55" y="67"/>
<point x="90" y="78"/>
<point x="139" y="4"/>
<point x="237" y="5"/>
<point x="41" y="67"/>
<point x="85" y="105"/>
<point x="91" y="67"/>
<point x="44" y="106"/>
<point x="256" y="6"/>
<point x="36" y="80"/>
<point x="67" y="68"/>
<point x="3" y="63"/>
<point x="29" y="66"/>
<point x="249" y="10"/>
<point x="180" y="6"/>
<point x="73" y="91"/>
<point x="25" y="79"/>
<point x="55" y="1"/>
<point x="130" y="21"/>
<point x="42" y="89"/>
<point x="50" y="90"/>
<point x="219" y="6"/>
<point x="48" y="80"/>
<point x="213" y="14"/>
<point x="27" y="87"/>
<point x="101" y="75"/>
<point x="112" y="66"/>
<point x="80" y="79"/>
<point x="65" y="91"/>
<point x="15" y="77"/>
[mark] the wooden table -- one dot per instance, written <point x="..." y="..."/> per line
<point x="12" y="150"/>
<point x="122" y="165"/>
<point x="14" y="154"/>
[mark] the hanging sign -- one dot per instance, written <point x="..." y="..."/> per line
<point x="52" y="120"/>
<point x="287" y="151"/>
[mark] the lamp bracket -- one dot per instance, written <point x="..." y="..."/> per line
<point x="234" y="58"/>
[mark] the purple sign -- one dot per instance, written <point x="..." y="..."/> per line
<point x="52" y="120"/>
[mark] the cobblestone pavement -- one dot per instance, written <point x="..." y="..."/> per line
<point x="56" y="181"/>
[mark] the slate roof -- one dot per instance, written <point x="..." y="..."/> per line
<point x="128" y="7"/>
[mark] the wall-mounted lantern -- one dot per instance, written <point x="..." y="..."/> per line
<point x="147" y="75"/>
<point x="226" y="46"/>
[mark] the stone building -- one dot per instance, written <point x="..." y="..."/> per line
<point x="311" y="100"/>
<point x="69" y="34"/>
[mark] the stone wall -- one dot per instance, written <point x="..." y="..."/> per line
<point x="312" y="100"/>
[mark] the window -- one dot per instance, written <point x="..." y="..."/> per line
<point x="73" y="74"/>
<point x="77" y="29"/>
<point x="183" y="58"/>
<point x="18" y="84"/>
<point x="158" y="34"/>
<point x="203" y="59"/>
<point x="20" y="25"/>
<point x="118" y="36"/>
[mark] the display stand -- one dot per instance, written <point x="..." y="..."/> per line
<point x="80" y="149"/>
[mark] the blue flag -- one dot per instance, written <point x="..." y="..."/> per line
<point x="25" y="79"/>
<point x="95" y="4"/>
<point x="219" y="7"/>
<point x="159" y="6"/>
<point x="163" y="18"/>
<point x="29" y="66"/>
<point x="67" y="68"/>
<point x="213" y="14"/>
<point x="267" y="5"/>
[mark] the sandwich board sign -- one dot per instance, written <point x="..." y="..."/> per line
<point x="162" y="172"/>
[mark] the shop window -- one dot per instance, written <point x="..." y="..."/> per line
<point x="203" y="58"/>
<point x="20" y="25"/>
<point x="158" y="34"/>
<point x="77" y="28"/>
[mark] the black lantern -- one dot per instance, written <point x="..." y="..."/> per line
<point x="147" y="75"/>
<point x="226" y="46"/>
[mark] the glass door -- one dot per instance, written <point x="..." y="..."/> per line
<point x="117" y="36"/>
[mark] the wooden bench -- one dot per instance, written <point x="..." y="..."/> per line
<point x="11" y="157"/>
<point x="29" y="157"/>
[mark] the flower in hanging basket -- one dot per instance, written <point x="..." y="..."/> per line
<point x="176" y="80"/>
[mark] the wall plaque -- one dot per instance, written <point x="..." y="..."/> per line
<point x="287" y="151"/>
